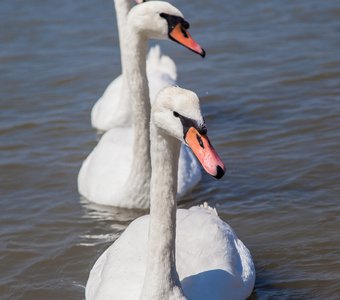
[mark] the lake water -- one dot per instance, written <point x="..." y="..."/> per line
<point x="270" y="91"/>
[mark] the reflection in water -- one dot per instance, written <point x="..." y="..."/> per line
<point x="269" y="87"/>
<point x="118" y="218"/>
<point x="110" y="213"/>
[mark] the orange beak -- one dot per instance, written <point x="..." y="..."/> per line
<point x="183" y="37"/>
<point x="205" y="153"/>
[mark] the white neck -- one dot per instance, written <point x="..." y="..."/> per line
<point x="122" y="8"/>
<point x="161" y="278"/>
<point x="139" y="178"/>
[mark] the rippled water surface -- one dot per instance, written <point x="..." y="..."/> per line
<point x="270" y="90"/>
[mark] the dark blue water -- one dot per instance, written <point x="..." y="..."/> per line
<point x="270" y="91"/>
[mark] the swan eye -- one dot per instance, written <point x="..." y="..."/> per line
<point x="176" y="114"/>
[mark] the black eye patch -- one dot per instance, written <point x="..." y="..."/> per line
<point x="173" y="21"/>
<point x="187" y="123"/>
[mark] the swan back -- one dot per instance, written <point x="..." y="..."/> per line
<point x="220" y="266"/>
<point x="211" y="261"/>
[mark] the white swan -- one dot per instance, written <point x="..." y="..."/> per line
<point x="197" y="256"/>
<point x="117" y="172"/>
<point x="113" y="108"/>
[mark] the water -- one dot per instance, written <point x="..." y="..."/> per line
<point x="270" y="91"/>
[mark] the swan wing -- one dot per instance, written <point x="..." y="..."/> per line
<point x="103" y="173"/>
<point x="211" y="261"/>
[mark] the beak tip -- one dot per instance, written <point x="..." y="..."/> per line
<point x="203" y="53"/>
<point x="219" y="172"/>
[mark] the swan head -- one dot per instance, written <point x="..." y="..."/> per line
<point x="177" y="113"/>
<point x="161" y="20"/>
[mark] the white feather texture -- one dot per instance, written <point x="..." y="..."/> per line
<point x="109" y="111"/>
<point x="212" y="263"/>
<point x="103" y="175"/>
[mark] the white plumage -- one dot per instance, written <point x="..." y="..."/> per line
<point x="109" y="111"/>
<point x="104" y="175"/>
<point x="212" y="263"/>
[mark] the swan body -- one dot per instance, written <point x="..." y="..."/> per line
<point x="103" y="174"/>
<point x="212" y="263"/>
<point x="169" y="254"/>
<point x="119" y="167"/>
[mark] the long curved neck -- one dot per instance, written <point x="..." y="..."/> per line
<point x="139" y="178"/>
<point x="161" y="279"/>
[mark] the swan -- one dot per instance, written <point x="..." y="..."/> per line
<point x="113" y="108"/>
<point x="117" y="172"/>
<point x="188" y="254"/>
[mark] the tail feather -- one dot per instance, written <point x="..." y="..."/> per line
<point x="158" y="63"/>
<point x="209" y="208"/>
